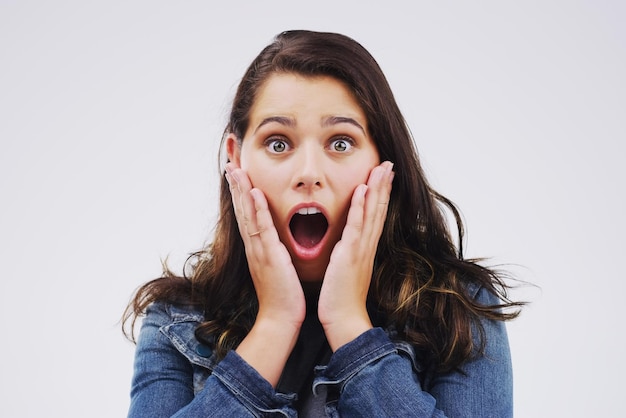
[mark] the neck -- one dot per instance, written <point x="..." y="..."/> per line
<point x="311" y="293"/>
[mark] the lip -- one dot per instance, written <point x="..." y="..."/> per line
<point x="304" y="253"/>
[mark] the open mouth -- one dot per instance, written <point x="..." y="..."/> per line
<point x="308" y="226"/>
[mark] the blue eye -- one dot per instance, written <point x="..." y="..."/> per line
<point x="277" y="146"/>
<point x="341" y="145"/>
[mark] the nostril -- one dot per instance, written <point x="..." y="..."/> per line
<point x="303" y="184"/>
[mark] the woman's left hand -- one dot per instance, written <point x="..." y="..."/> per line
<point x="342" y="303"/>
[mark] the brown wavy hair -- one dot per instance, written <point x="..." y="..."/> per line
<point x="420" y="278"/>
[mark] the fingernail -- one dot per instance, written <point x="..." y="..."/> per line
<point x="362" y="190"/>
<point x="235" y="176"/>
<point x="228" y="168"/>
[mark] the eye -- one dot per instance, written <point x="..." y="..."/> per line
<point x="342" y="145"/>
<point x="276" y="145"/>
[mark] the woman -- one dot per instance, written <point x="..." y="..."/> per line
<point x="332" y="286"/>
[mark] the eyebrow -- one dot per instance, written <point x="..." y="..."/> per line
<point x="283" y="120"/>
<point x="335" y="120"/>
<point x="326" y="122"/>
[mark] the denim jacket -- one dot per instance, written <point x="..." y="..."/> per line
<point x="373" y="376"/>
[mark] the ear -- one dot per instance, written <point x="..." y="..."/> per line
<point x="233" y="150"/>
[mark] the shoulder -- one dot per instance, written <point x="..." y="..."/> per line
<point x="488" y="333"/>
<point x="177" y="324"/>
<point x="481" y="294"/>
<point x="170" y="313"/>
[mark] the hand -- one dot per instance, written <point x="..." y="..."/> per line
<point x="282" y="305"/>
<point x="275" y="279"/>
<point x="342" y="303"/>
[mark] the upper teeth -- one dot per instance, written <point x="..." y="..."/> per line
<point x="308" y="211"/>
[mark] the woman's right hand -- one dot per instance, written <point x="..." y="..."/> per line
<point x="282" y="305"/>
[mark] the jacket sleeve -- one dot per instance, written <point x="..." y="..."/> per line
<point x="162" y="384"/>
<point x="371" y="376"/>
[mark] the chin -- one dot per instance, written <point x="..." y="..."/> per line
<point x="312" y="270"/>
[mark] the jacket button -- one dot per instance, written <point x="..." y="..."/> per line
<point x="203" y="350"/>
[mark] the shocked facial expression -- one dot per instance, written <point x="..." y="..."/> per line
<point x="307" y="148"/>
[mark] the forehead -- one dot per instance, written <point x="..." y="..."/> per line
<point x="290" y="94"/>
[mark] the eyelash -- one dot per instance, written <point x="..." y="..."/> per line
<point x="274" y="139"/>
<point x="345" y="139"/>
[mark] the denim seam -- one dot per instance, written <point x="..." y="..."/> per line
<point x="250" y="401"/>
<point x="237" y="387"/>
<point x="365" y="359"/>
<point x="181" y="346"/>
<point x="181" y="315"/>
<point x="344" y="374"/>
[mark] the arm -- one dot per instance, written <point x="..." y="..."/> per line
<point x="366" y="373"/>
<point x="371" y="376"/>
<point x="162" y="383"/>
<point x="342" y="309"/>
<point x="244" y="380"/>
<point x="486" y="389"/>
<point x="281" y="299"/>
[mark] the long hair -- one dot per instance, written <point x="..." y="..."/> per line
<point x="420" y="278"/>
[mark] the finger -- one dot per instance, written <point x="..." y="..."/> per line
<point x="379" y="182"/>
<point x="378" y="194"/>
<point x="264" y="221"/>
<point x="355" y="220"/>
<point x="368" y="211"/>
<point x="242" y="202"/>
<point x="234" y="190"/>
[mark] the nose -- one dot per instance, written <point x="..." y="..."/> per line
<point x="308" y="168"/>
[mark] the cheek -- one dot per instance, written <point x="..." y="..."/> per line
<point x="258" y="172"/>
<point x="262" y="179"/>
<point x="358" y="175"/>
<point x="349" y="180"/>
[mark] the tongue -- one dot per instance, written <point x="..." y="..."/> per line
<point x="308" y="230"/>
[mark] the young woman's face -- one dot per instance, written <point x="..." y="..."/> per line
<point x="307" y="148"/>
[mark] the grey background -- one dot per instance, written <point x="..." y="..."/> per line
<point x="110" y="116"/>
